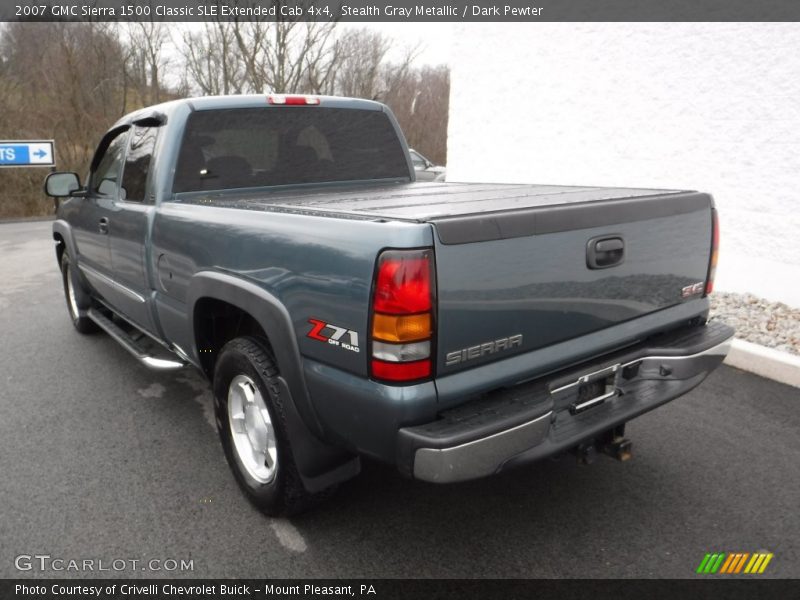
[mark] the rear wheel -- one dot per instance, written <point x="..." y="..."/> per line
<point x="252" y="428"/>
<point x="78" y="299"/>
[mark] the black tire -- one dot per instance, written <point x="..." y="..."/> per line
<point x="81" y="302"/>
<point x="284" y="493"/>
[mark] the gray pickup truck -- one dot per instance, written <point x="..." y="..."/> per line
<point x="280" y="245"/>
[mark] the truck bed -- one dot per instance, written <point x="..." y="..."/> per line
<point x="419" y="202"/>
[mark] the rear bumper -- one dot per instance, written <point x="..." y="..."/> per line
<point x="549" y="415"/>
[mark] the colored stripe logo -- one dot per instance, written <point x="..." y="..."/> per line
<point x="734" y="563"/>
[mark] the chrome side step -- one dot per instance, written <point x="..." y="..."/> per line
<point x="127" y="342"/>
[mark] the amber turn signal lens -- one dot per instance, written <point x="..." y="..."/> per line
<point x="401" y="328"/>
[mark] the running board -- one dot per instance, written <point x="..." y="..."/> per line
<point x="127" y="342"/>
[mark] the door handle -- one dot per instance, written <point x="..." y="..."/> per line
<point x="605" y="251"/>
<point x="102" y="225"/>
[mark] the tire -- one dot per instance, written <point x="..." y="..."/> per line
<point x="78" y="299"/>
<point x="252" y="427"/>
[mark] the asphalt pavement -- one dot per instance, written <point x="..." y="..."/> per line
<point x="101" y="459"/>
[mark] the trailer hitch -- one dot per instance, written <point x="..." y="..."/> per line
<point x="615" y="444"/>
<point x="612" y="443"/>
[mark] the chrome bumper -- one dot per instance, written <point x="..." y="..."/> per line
<point x="480" y="457"/>
<point x="635" y="382"/>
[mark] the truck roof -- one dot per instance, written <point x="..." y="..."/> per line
<point x="241" y="101"/>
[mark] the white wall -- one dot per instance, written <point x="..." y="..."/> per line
<point x="714" y="107"/>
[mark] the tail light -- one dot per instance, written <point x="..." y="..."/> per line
<point x="402" y="316"/>
<point x="712" y="263"/>
<point x="292" y="100"/>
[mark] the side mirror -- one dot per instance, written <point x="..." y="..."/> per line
<point x="59" y="185"/>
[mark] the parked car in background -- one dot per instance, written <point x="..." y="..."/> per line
<point x="425" y="169"/>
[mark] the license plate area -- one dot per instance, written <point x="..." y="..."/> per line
<point x="591" y="390"/>
<point x="593" y="393"/>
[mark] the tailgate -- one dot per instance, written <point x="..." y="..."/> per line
<point x="515" y="281"/>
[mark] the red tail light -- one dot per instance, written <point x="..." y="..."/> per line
<point x="403" y="285"/>
<point x="401" y="371"/>
<point x="402" y="316"/>
<point x="292" y="100"/>
<point x="712" y="263"/>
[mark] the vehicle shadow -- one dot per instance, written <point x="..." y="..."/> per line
<point x="550" y="519"/>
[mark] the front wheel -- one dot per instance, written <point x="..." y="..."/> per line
<point x="252" y="428"/>
<point x="78" y="299"/>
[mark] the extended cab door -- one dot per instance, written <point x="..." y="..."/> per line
<point x="92" y="220"/>
<point x="129" y="226"/>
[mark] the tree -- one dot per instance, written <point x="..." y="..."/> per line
<point x="287" y="56"/>
<point x="212" y="61"/>
<point x="60" y="81"/>
<point x="420" y="99"/>
<point x="256" y="57"/>
<point x="71" y="81"/>
<point x="363" y="70"/>
<point x="146" y="60"/>
<point x="361" y="67"/>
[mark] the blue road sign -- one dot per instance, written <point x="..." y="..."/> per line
<point x="18" y="153"/>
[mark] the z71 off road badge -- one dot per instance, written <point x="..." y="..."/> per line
<point x="333" y="335"/>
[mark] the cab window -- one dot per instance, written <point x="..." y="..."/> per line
<point x="137" y="164"/>
<point x="254" y="147"/>
<point x="106" y="175"/>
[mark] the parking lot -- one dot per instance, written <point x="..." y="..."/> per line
<point x="103" y="459"/>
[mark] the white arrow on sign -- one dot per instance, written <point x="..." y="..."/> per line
<point x="41" y="154"/>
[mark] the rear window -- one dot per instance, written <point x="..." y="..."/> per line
<point x="250" y="147"/>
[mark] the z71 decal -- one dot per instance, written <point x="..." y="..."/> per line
<point x="333" y="335"/>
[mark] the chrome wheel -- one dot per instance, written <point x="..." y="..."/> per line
<point x="251" y="429"/>
<point x="73" y="303"/>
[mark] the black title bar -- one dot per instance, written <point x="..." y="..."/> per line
<point x="400" y="10"/>
<point x="390" y="589"/>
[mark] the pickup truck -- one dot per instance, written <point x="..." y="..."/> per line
<point x="340" y="310"/>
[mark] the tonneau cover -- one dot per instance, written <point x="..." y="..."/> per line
<point x="418" y="201"/>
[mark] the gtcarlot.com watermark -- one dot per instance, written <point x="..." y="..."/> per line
<point x="57" y="564"/>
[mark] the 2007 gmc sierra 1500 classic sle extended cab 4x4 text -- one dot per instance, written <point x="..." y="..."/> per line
<point x="280" y="245"/>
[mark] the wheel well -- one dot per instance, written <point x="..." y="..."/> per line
<point x="60" y="247"/>
<point x="215" y="324"/>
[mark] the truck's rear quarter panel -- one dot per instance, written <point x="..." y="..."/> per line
<point x="318" y="268"/>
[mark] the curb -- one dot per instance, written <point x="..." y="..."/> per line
<point x="766" y="362"/>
